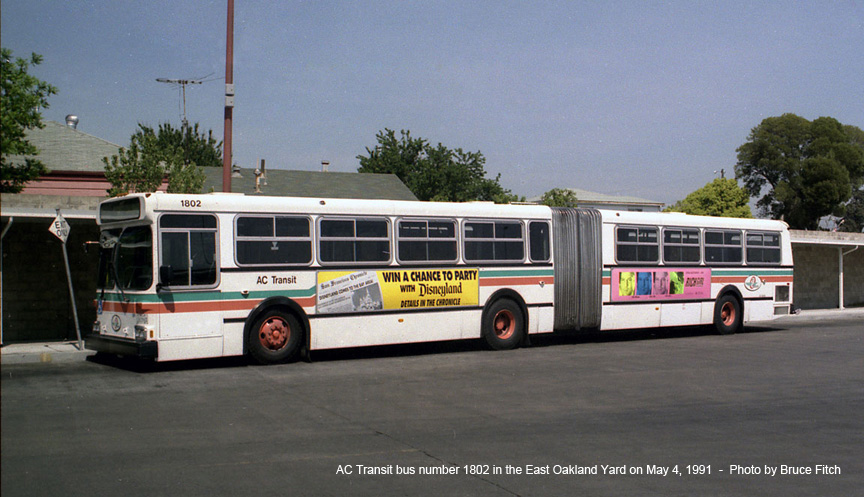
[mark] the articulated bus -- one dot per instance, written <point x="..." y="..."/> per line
<point x="195" y="276"/>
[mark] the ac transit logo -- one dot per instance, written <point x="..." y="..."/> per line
<point x="115" y="322"/>
<point x="753" y="283"/>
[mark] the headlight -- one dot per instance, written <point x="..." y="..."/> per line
<point x="140" y="333"/>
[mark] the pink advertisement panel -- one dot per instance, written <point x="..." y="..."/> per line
<point x="629" y="284"/>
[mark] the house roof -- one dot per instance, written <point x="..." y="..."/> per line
<point x="589" y="197"/>
<point x="287" y="183"/>
<point x="62" y="148"/>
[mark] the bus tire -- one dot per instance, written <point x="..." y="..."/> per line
<point x="503" y="325"/>
<point x="275" y="337"/>
<point x="727" y="314"/>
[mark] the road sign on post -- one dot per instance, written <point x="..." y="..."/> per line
<point x="60" y="228"/>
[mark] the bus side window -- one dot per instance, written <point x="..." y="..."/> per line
<point x="763" y="248"/>
<point x="723" y="247"/>
<point x="538" y="241"/>
<point x="273" y="240"/>
<point x="681" y="245"/>
<point x="354" y="240"/>
<point x="420" y="240"/>
<point x="494" y="241"/>
<point x="188" y="249"/>
<point x="637" y="244"/>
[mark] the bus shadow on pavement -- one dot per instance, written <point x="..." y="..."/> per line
<point x="136" y="365"/>
<point x="594" y="336"/>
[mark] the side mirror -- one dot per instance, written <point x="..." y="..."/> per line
<point x="166" y="276"/>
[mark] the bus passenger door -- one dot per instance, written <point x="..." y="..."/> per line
<point x="189" y="277"/>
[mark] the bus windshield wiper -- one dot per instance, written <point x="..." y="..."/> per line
<point x="112" y="266"/>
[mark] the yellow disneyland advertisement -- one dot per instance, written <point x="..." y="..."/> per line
<point x="374" y="290"/>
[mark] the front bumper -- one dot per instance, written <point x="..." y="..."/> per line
<point x="120" y="346"/>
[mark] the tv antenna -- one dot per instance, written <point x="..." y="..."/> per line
<point x="181" y="83"/>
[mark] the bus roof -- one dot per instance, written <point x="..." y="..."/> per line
<point x="681" y="219"/>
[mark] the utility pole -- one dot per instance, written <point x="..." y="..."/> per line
<point x="229" y="99"/>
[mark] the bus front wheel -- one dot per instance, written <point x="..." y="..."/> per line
<point x="727" y="315"/>
<point x="503" y="325"/>
<point x="275" y="337"/>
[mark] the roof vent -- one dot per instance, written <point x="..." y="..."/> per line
<point x="72" y="121"/>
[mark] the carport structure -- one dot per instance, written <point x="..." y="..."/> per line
<point x="829" y="269"/>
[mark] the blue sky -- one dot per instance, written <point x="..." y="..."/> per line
<point x="634" y="98"/>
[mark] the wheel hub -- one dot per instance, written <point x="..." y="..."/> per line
<point x="274" y="333"/>
<point x="505" y="324"/>
<point x="727" y="314"/>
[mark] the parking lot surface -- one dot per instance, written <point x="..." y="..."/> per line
<point x="775" y="410"/>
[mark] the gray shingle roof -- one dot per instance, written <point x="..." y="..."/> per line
<point x="589" y="197"/>
<point x="62" y="148"/>
<point x="285" y="183"/>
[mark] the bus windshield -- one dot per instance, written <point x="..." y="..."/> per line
<point x="126" y="259"/>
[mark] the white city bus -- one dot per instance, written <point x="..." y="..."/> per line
<point x="194" y="276"/>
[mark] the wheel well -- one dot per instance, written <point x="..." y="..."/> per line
<point x="283" y="303"/>
<point x="507" y="293"/>
<point x="733" y="290"/>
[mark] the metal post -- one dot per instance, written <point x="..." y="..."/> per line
<point x="72" y="297"/>
<point x="842" y="255"/>
<point x="840" y="252"/>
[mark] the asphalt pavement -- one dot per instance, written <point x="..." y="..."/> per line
<point x="773" y="410"/>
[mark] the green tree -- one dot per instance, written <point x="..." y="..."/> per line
<point x="433" y="173"/>
<point x="152" y="154"/>
<point x="721" y="197"/>
<point x="21" y="97"/>
<point x="559" y="197"/>
<point x="801" y="170"/>
<point x="853" y="221"/>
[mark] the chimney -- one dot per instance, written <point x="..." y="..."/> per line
<point x="72" y="121"/>
<point x="325" y="165"/>
<point x="263" y="173"/>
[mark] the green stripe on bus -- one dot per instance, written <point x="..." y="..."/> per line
<point x="208" y="296"/>
<point x="748" y="272"/>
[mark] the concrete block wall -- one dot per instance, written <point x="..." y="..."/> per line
<point x="817" y="279"/>
<point x="36" y="305"/>
<point x="853" y="280"/>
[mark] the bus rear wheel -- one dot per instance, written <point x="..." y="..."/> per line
<point x="275" y="337"/>
<point x="503" y="325"/>
<point x="727" y="315"/>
